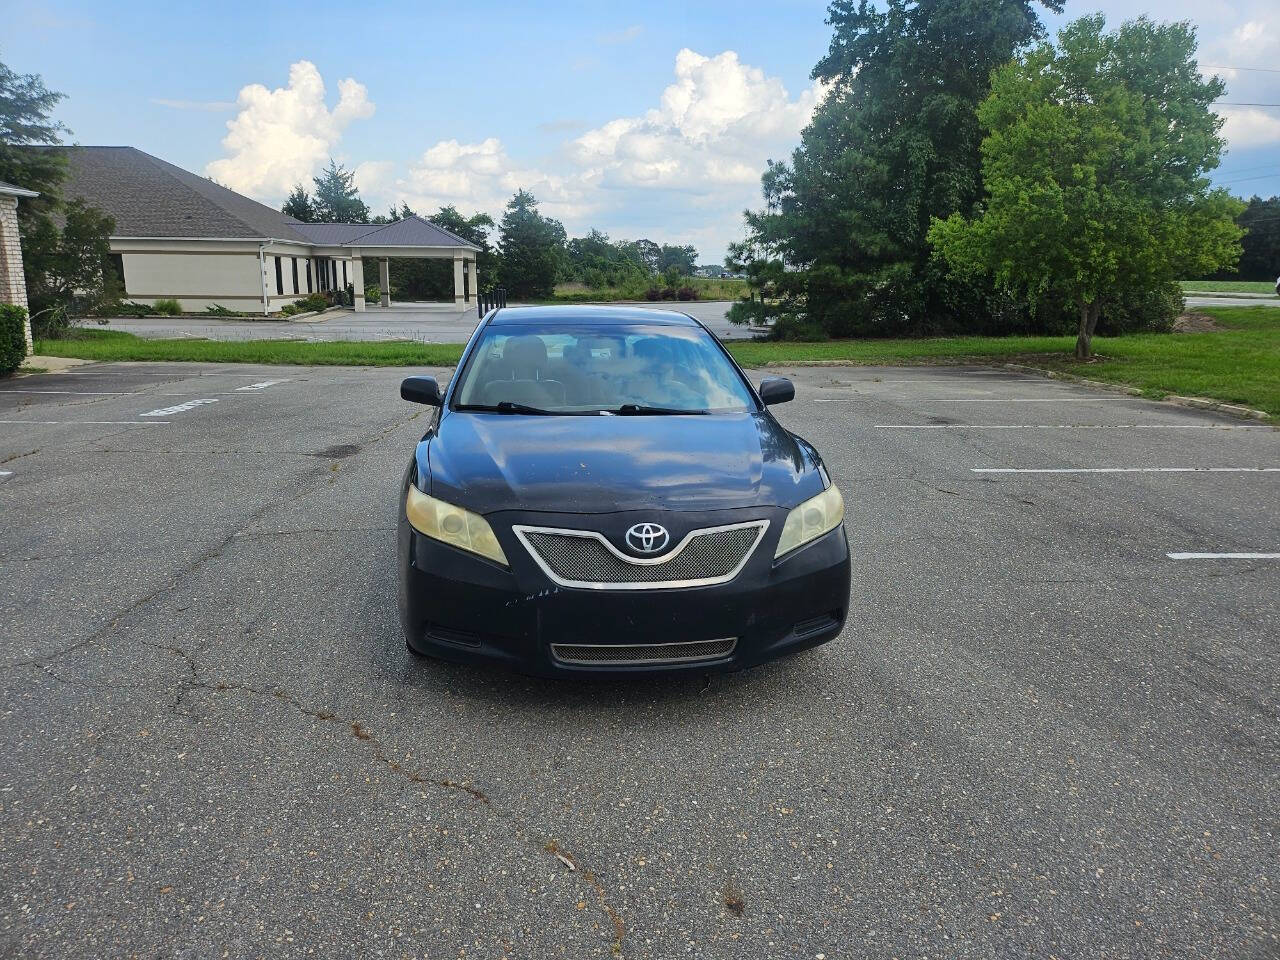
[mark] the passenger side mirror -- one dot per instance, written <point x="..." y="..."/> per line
<point x="776" y="390"/>
<point x="420" y="390"/>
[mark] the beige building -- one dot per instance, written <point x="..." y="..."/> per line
<point x="183" y="237"/>
<point x="13" y="284"/>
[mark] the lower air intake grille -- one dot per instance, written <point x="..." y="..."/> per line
<point x="576" y="558"/>
<point x="620" y="654"/>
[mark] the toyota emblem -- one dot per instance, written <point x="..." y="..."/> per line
<point x="647" y="537"/>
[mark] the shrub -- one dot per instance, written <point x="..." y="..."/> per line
<point x="653" y="293"/>
<point x="289" y="309"/>
<point x="168" y="307"/>
<point x="668" y="293"/>
<point x="13" y="338"/>
<point x="312" y="301"/>
<point x="687" y="293"/>
<point x="373" y="294"/>
<point x="218" y="310"/>
<point x="131" y="308"/>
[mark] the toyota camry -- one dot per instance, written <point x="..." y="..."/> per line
<point x="601" y="488"/>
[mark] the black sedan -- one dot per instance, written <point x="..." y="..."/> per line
<point x="601" y="489"/>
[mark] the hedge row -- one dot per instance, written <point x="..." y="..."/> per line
<point x="13" y="337"/>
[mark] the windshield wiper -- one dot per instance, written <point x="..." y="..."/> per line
<point x="640" y="410"/>
<point x="505" y="406"/>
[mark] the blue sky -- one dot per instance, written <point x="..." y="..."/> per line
<point x="649" y="119"/>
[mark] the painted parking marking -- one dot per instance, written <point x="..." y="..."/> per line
<point x="178" y="408"/>
<point x="973" y="399"/>
<point x="1223" y="556"/>
<point x="1125" y="470"/>
<point x="6" y="473"/>
<point x="263" y="385"/>
<point x="145" y="423"/>
<point x="1065" y="426"/>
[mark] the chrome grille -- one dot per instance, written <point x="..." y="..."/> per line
<point x="584" y="558"/>
<point x="619" y="654"/>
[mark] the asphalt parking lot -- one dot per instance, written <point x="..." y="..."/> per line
<point x="1040" y="734"/>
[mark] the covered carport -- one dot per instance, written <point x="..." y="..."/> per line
<point x="413" y="237"/>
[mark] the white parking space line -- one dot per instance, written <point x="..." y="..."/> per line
<point x="1065" y="426"/>
<point x="145" y="423"/>
<point x="6" y="473"/>
<point x="970" y="399"/>
<point x="1125" y="470"/>
<point x="1223" y="556"/>
<point x="178" y="408"/>
<point x="263" y="385"/>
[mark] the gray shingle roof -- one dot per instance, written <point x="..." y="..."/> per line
<point x="148" y="197"/>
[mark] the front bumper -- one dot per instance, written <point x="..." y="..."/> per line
<point x="459" y="607"/>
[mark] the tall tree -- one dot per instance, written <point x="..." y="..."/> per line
<point x="25" y="108"/>
<point x="531" y="246"/>
<point x="300" y="206"/>
<point x="63" y="262"/>
<point x="337" y="199"/>
<point x="840" y="246"/>
<point x="1095" y="167"/>
<point x="1260" y="259"/>
<point x="682" y="260"/>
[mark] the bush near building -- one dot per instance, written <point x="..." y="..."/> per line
<point x="13" y="338"/>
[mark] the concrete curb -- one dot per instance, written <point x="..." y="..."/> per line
<point x="1199" y="403"/>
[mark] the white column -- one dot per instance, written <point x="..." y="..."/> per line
<point x="357" y="280"/>
<point x="384" y="280"/>
<point x="475" y="279"/>
<point x="13" y="284"/>
<point x="458" y="299"/>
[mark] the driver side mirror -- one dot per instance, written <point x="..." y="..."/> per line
<point x="420" y="390"/>
<point x="776" y="390"/>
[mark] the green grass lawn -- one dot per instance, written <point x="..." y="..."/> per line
<point x="1240" y="364"/>
<point x="1228" y="286"/>
<point x="115" y="345"/>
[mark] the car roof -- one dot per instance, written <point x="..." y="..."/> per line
<point x="588" y="314"/>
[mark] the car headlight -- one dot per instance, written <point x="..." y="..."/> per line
<point x="452" y="525"/>
<point x="810" y="520"/>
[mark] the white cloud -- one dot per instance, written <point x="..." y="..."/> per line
<point x="716" y="125"/>
<point x="281" y="137"/>
<point x="681" y="172"/>
<point x="1250" y="127"/>
<point x="626" y="35"/>
<point x="482" y="177"/>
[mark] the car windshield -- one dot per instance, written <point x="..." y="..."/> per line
<point x="623" y="369"/>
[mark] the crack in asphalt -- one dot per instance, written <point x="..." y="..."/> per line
<point x="565" y="857"/>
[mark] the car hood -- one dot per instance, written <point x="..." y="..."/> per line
<point x="599" y="464"/>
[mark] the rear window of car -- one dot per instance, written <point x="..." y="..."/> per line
<point x="601" y="369"/>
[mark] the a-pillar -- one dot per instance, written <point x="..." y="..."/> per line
<point x="459" y="294"/>
<point x="384" y="280"/>
<point x="357" y="280"/>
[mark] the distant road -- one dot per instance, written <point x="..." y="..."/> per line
<point x="1209" y="300"/>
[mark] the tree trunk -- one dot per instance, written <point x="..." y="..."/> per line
<point x="1089" y="313"/>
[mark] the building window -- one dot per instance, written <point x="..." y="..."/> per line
<point x="309" y="275"/>
<point x="114" y="270"/>
<point x="279" y="278"/>
<point x="345" y="281"/>
<point x="295" y="273"/>
<point x="333" y="267"/>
